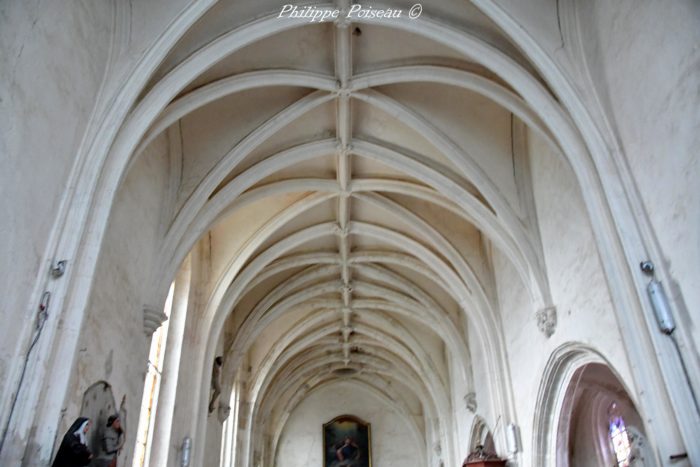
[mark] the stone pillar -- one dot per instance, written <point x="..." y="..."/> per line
<point x="194" y="372"/>
<point x="171" y="366"/>
<point x="244" y="427"/>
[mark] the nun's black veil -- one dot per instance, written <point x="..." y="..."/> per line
<point x="72" y="452"/>
<point x="74" y="427"/>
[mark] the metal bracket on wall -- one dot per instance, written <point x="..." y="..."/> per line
<point x="58" y="268"/>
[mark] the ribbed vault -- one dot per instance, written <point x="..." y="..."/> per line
<point x="350" y="222"/>
<point x="429" y="223"/>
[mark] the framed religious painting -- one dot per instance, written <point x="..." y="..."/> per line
<point x="347" y="442"/>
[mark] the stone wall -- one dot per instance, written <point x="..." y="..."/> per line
<point x="644" y="63"/>
<point x="301" y="443"/>
<point x="579" y="290"/>
<point x="113" y="346"/>
<point x="51" y="67"/>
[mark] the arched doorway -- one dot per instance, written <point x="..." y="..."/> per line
<point x="583" y="410"/>
<point x="599" y="421"/>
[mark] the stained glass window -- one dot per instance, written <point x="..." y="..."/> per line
<point x="620" y="441"/>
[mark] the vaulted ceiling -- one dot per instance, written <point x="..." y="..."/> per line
<point x="352" y="179"/>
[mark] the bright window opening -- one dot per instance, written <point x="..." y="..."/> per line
<point x="229" y="434"/>
<point x="620" y="441"/>
<point x="151" y="389"/>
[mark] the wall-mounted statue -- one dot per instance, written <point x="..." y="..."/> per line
<point x="216" y="382"/>
<point x="113" y="438"/>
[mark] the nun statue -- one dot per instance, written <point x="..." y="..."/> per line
<point x="73" y="451"/>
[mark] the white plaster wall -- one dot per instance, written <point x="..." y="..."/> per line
<point x="578" y="287"/>
<point x="540" y="17"/>
<point x="148" y="19"/>
<point x="301" y="443"/>
<point x="645" y="64"/>
<point x="113" y="346"/>
<point x="480" y="128"/>
<point x="52" y="59"/>
<point x="459" y="233"/>
<point x="209" y="133"/>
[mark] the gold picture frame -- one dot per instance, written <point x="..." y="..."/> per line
<point x="347" y="442"/>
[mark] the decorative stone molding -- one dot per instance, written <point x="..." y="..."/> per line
<point x="153" y="318"/>
<point x="470" y="401"/>
<point x="346" y="289"/>
<point x="342" y="21"/>
<point x="547" y="320"/>
<point x="640" y="453"/>
<point x="342" y="231"/>
<point x="346" y="330"/>
<point x="223" y="412"/>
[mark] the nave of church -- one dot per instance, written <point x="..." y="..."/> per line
<point x="350" y="234"/>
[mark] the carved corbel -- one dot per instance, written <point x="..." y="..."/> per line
<point x="470" y="401"/>
<point x="547" y="320"/>
<point x="223" y="412"/>
<point x="153" y="318"/>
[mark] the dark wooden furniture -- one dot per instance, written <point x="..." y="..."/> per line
<point x="493" y="463"/>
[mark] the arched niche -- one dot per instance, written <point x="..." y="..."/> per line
<point x="594" y="399"/>
<point x="98" y="404"/>
<point x="579" y="395"/>
<point x="481" y="436"/>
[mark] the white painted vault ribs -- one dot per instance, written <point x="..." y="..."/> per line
<point x="433" y="224"/>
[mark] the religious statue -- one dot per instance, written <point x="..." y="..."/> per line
<point x="216" y="382"/>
